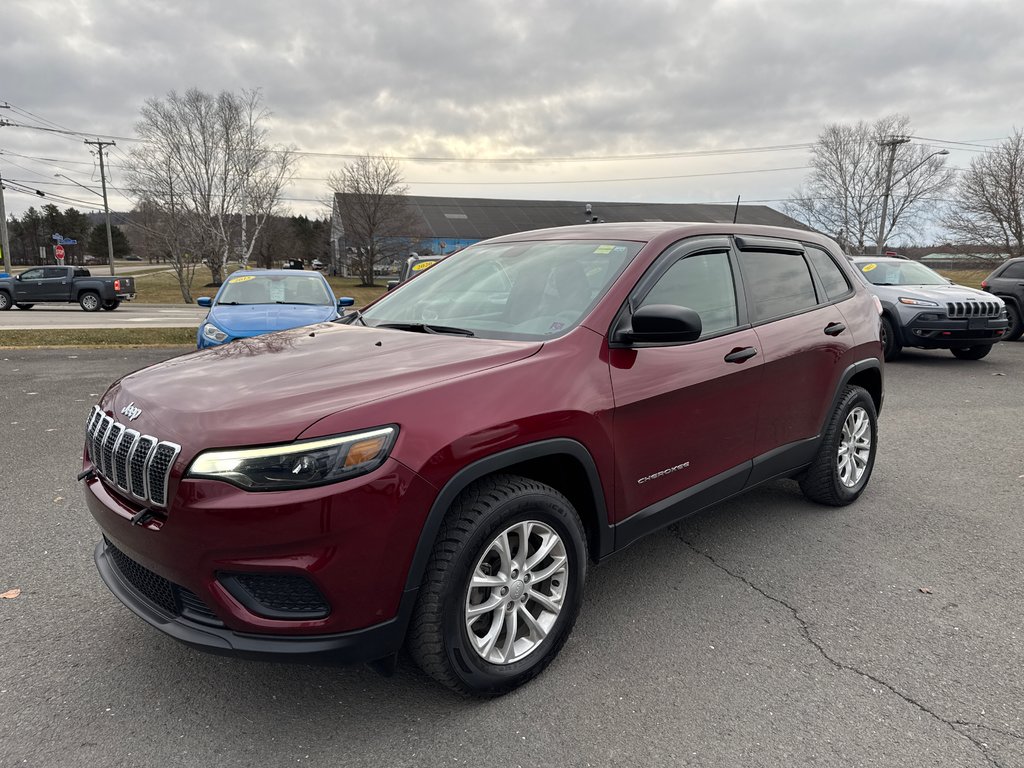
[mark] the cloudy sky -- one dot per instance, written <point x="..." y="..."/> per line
<point x="651" y="100"/>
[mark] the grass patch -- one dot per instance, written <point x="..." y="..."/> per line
<point x="98" y="337"/>
<point x="970" y="277"/>
<point x="162" y="288"/>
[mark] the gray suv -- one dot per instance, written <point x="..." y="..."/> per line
<point x="921" y="308"/>
<point x="1007" y="282"/>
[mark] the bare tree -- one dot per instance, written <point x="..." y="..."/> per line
<point x="369" y="202"/>
<point x="854" y="195"/>
<point x="988" y="207"/>
<point x="206" y="162"/>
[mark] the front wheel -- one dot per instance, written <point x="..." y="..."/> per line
<point x="1016" y="327"/>
<point x="972" y="353"/>
<point x="89" y="301"/>
<point x="24" y="306"/>
<point x="5" y="301"/>
<point x="111" y="305"/>
<point x="842" y="468"/>
<point x="891" y="347"/>
<point x="502" y="589"/>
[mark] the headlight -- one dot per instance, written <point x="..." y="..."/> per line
<point x="917" y="302"/>
<point x="298" y="465"/>
<point x="213" y="333"/>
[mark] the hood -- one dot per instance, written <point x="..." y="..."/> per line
<point x="270" y="388"/>
<point x="941" y="293"/>
<point x="252" y="319"/>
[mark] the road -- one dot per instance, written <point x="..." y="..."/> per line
<point x="766" y="632"/>
<point x="128" y="315"/>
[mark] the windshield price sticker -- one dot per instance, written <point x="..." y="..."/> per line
<point x="242" y="279"/>
<point x="868" y="267"/>
<point x="423" y="265"/>
<point x="604" y="249"/>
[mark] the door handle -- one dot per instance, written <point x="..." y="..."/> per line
<point x="834" y="329"/>
<point x="740" y="355"/>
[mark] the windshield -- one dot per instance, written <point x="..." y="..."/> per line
<point x="524" y="290"/>
<point x="275" y="289"/>
<point x="900" y="273"/>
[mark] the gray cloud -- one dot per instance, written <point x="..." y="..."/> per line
<point x="535" y="78"/>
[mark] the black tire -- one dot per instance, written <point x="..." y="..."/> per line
<point x="89" y="301"/>
<point x="5" y="301"/>
<point x="891" y="346"/>
<point x="439" y="636"/>
<point x="823" y="481"/>
<point x="111" y="305"/>
<point x="972" y="353"/>
<point x="1016" y="327"/>
<point x="24" y="306"/>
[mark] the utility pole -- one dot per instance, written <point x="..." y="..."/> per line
<point x="5" y="241"/>
<point x="106" y="209"/>
<point x="887" y="189"/>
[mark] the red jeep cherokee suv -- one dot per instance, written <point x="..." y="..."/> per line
<point x="440" y="469"/>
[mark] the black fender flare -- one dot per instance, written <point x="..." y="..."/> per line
<point x="495" y="463"/>
<point x="889" y="310"/>
<point x="871" y="364"/>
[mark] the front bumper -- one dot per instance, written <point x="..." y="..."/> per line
<point x="944" y="333"/>
<point x="205" y="633"/>
<point x="190" y="571"/>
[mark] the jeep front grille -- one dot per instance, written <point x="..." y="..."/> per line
<point x="138" y="465"/>
<point x="958" y="309"/>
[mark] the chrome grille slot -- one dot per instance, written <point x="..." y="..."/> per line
<point x="137" y="463"/>
<point x="121" y="453"/>
<point x="132" y="462"/>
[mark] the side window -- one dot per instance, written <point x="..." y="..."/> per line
<point x="703" y="282"/>
<point x="1014" y="271"/>
<point x="32" y="274"/>
<point x="777" y="283"/>
<point x="54" y="273"/>
<point x="832" y="278"/>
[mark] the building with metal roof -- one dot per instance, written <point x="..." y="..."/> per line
<point x="444" y="224"/>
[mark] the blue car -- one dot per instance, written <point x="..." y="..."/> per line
<point x="251" y="303"/>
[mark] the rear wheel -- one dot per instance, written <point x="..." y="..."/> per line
<point x="5" y="301"/>
<point x="89" y="301"/>
<point x="972" y="353"/>
<point x="842" y="468"/>
<point x="24" y="306"/>
<point x="111" y="305"/>
<point x="1016" y="327"/>
<point x="891" y="347"/>
<point x="502" y="588"/>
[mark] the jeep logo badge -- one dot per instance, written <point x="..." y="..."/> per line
<point x="131" y="411"/>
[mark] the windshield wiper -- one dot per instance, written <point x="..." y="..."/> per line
<point x="427" y="328"/>
<point x="353" y="317"/>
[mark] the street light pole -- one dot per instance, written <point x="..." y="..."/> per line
<point x="889" y="183"/>
<point x="106" y="209"/>
<point x="887" y="189"/>
<point x="5" y="241"/>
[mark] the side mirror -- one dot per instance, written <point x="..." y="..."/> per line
<point x="392" y="284"/>
<point x="664" y="324"/>
<point x="345" y="301"/>
<point x="204" y="301"/>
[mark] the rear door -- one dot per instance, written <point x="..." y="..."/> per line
<point x="685" y="414"/>
<point x="803" y="335"/>
<point x="57" y="283"/>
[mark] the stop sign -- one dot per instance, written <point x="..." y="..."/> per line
<point x="58" y="251"/>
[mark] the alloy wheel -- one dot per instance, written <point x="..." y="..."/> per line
<point x="516" y="592"/>
<point x="854" y="447"/>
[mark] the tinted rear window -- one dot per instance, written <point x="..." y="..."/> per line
<point x="777" y="283"/>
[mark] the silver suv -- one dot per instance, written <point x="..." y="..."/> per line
<point x="921" y="308"/>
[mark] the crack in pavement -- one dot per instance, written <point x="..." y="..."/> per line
<point x="806" y="632"/>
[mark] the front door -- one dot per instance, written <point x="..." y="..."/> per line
<point x="686" y="414"/>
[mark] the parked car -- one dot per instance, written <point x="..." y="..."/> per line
<point x="1007" y="282"/>
<point x="411" y="267"/>
<point x="318" y="265"/>
<point x="253" y="303"/>
<point x="441" y="470"/>
<point x="293" y="264"/>
<point x="65" y="284"/>
<point x="921" y="308"/>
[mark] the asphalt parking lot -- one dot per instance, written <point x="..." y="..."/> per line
<point x="766" y="632"/>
